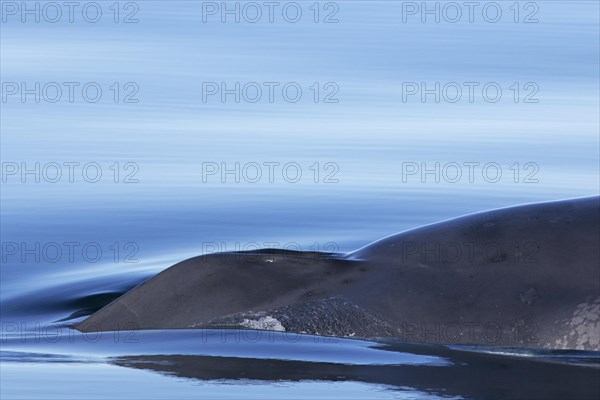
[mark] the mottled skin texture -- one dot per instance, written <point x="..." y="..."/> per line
<point x="526" y="276"/>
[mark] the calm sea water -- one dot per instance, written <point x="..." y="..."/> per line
<point x="149" y="159"/>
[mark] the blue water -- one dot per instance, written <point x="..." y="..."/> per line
<point x="70" y="243"/>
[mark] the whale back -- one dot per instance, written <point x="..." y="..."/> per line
<point x="526" y="276"/>
<point x="204" y="291"/>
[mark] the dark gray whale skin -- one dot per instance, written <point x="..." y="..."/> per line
<point x="525" y="276"/>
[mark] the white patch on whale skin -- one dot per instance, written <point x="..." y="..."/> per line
<point x="584" y="327"/>
<point x="267" y="323"/>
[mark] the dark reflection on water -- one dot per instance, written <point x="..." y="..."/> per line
<point x="471" y="375"/>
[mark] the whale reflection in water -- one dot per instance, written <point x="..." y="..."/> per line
<point x="467" y="374"/>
